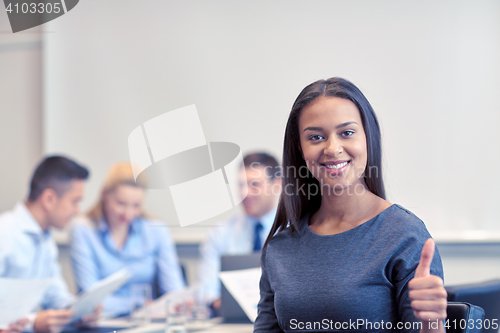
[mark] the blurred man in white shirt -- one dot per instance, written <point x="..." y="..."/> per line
<point x="27" y="249"/>
<point x="246" y="232"/>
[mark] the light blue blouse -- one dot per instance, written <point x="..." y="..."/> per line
<point x="148" y="252"/>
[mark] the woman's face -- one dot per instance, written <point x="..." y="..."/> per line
<point x="333" y="142"/>
<point x="123" y="204"/>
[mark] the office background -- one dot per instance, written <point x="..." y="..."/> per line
<point x="81" y="83"/>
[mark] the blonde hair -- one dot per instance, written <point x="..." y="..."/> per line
<point x="119" y="174"/>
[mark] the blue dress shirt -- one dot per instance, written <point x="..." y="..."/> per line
<point x="235" y="237"/>
<point x="148" y="252"/>
<point x="28" y="252"/>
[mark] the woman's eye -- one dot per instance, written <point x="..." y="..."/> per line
<point x="254" y="184"/>
<point x="347" y="133"/>
<point x="315" y="137"/>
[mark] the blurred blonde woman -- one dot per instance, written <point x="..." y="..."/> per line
<point x="117" y="233"/>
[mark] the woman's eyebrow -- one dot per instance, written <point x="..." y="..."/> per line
<point x="347" y="123"/>
<point x="313" y="129"/>
<point x="338" y="126"/>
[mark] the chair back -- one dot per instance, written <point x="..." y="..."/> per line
<point x="464" y="318"/>
<point x="485" y="295"/>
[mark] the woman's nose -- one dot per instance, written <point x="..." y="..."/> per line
<point x="333" y="147"/>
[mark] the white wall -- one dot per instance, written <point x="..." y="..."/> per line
<point x="20" y="110"/>
<point x="429" y="68"/>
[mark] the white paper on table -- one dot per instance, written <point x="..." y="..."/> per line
<point x="157" y="309"/>
<point x="243" y="284"/>
<point x="19" y="297"/>
<point x="89" y="299"/>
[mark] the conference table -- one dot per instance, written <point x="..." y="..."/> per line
<point x="213" y="326"/>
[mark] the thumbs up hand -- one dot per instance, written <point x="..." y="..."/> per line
<point x="429" y="298"/>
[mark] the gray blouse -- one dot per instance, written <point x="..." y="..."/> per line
<point x="356" y="280"/>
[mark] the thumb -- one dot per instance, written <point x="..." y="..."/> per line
<point x="424" y="266"/>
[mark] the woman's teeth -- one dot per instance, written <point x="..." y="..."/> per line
<point x="336" y="166"/>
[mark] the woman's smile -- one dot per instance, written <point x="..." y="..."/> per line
<point x="336" y="168"/>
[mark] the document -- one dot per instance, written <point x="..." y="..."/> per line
<point x="157" y="309"/>
<point x="243" y="285"/>
<point x="19" y="297"/>
<point x="90" y="298"/>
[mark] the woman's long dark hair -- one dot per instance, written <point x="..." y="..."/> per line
<point x="294" y="203"/>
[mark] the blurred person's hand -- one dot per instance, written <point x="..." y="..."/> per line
<point x="16" y="327"/>
<point x="52" y="321"/>
<point x="216" y="304"/>
<point x="91" y="319"/>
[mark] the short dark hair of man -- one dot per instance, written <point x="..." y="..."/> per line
<point x="55" y="172"/>
<point x="262" y="159"/>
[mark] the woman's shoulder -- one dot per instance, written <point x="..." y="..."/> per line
<point x="398" y="225"/>
<point x="151" y="221"/>
<point x="403" y="235"/>
<point x="400" y="217"/>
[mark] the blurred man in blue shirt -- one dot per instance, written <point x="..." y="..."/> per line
<point x="27" y="249"/>
<point x="246" y="232"/>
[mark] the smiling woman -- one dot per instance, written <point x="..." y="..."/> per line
<point x="339" y="253"/>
